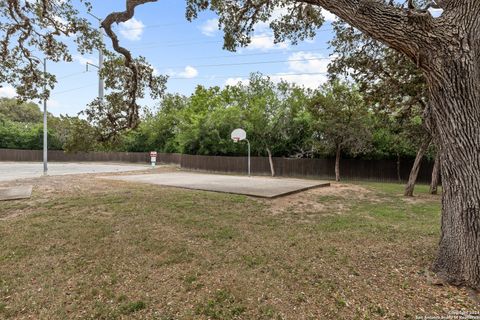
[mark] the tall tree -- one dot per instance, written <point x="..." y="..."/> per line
<point x="20" y="112"/>
<point x="342" y="121"/>
<point x="263" y="114"/>
<point x="389" y="81"/>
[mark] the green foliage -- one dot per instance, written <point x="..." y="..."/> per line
<point x="390" y="84"/>
<point x="13" y="110"/>
<point x="21" y="127"/>
<point x="116" y="113"/>
<point x="297" y="20"/>
<point x="79" y="135"/>
<point x="290" y="121"/>
<point x="41" y="28"/>
<point x="342" y="120"/>
<point x="19" y="135"/>
<point x="206" y="122"/>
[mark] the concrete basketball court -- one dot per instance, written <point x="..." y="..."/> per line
<point x="263" y="187"/>
<point x="10" y="171"/>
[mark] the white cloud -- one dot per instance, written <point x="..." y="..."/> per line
<point x="7" y="92"/>
<point x="235" y="81"/>
<point x="329" y="17"/>
<point x="84" y="60"/>
<point x="210" y="27"/>
<point x="307" y="62"/>
<point x="265" y="42"/>
<point x="312" y="81"/>
<point x="305" y="69"/>
<point x="132" y="29"/>
<point x="52" y="103"/>
<point x="188" y="73"/>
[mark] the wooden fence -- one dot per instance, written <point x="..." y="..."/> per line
<point x="61" y="156"/>
<point x="350" y="169"/>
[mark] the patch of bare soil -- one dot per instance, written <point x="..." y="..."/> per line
<point x="419" y="198"/>
<point x="327" y="200"/>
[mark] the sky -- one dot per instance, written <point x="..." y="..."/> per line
<point x="190" y="53"/>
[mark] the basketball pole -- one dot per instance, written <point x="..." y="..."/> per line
<point x="248" y="143"/>
<point x="239" y="135"/>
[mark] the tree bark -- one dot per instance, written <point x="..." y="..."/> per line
<point x="118" y="17"/>
<point x="399" y="177"/>
<point x="435" y="175"/>
<point x="412" y="179"/>
<point x="337" y="163"/>
<point x="455" y="89"/>
<point x="270" y="160"/>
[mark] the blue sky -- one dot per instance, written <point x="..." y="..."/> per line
<point x="191" y="53"/>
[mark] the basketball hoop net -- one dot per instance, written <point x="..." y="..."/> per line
<point x="236" y="139"/>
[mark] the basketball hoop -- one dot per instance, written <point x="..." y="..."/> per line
<point x="240" y="135"/>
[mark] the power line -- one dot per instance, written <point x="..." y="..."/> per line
<point x="70" y="75"/>
<point x="211" y="77"/>
<point x="73" y="89"/>
<point x="250" y="63"/>
<point x="246" y="76"/>
<point x="236" y="55"/>
<point x="157" y="44"/>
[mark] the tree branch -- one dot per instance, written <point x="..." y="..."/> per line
<point x="401" y="29"/>
<point x="117" y="17"/>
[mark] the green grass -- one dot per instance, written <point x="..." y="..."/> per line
<point x="113" y="250"/>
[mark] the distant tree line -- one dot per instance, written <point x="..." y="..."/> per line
<point x="281" y="120"/>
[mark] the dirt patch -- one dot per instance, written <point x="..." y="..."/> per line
<point x="332" y="200"/>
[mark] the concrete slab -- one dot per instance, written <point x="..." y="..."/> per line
<point x="15" y="193"/>
<point x="10" y="171"/>
<point x="263" y="187"/>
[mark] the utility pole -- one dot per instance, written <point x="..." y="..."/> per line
<point x="101" y="84"/>
<point x="45" y="132"/>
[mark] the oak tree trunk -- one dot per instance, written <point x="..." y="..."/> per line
<point x="435" y="175"/>
<point x="337" y="163"/>
<point x="270" y="161"/>
<point x="412" y="179"/>
<point x="455" y="99"/>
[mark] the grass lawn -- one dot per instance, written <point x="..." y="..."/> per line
<point x="87" y="248"/>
